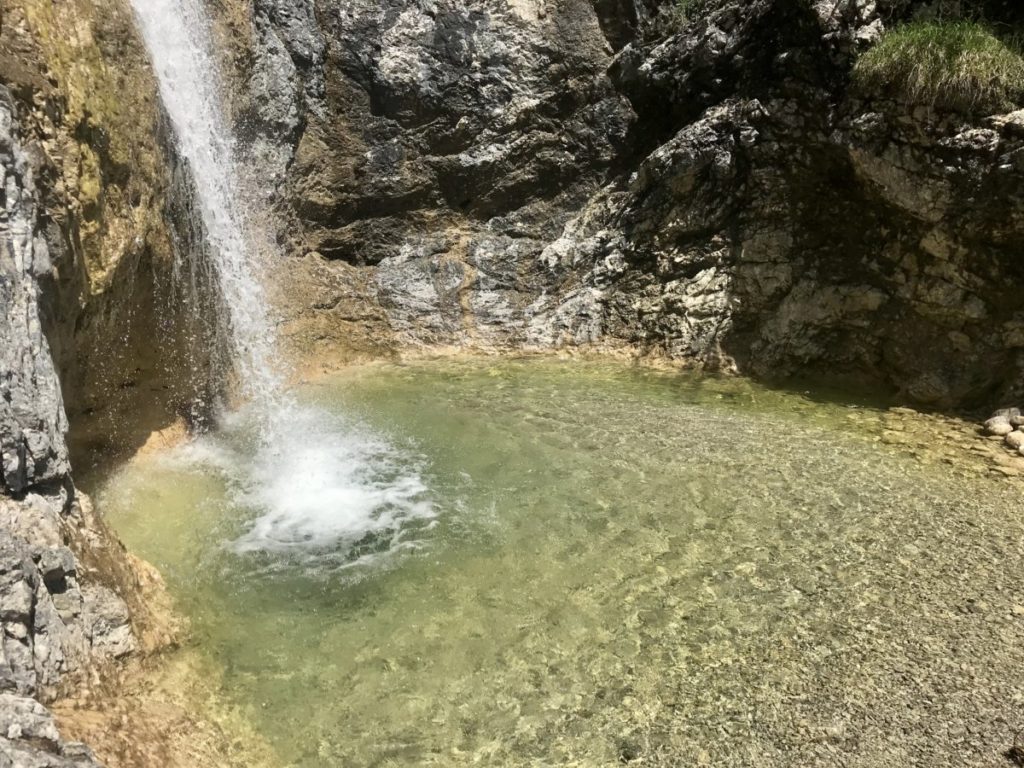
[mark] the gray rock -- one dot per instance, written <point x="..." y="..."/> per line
<point x="29" y="738"/>
<point x="1014" y="439"/>
<point x="471" y="132"/>
<point x="998" y="425"/>
<point x="542" y="174"/>
<point x="32" y="420"/>
<point x="56" y="566"/>
<point x="51" y="625"/>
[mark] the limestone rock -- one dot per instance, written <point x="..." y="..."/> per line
<point x="506" y="174"/>
<point x="29" y="738"/>
<point x="52" y="624"/>
<point x="1015" y="439"/>
<point x="111" y="200"/>
<point x="32" y="421"/>
<point x="998" y="425"/>
<point x="462" y="144"/>
<point x="470" y="133"/>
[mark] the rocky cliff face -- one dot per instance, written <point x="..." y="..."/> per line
<point x="791" y="225"/>
<point x="84" y="249"/>
<point x="423" y="154"/>
<point x="504" y="174"/>
<point x="32" y="420"/>
<point x="53" y="623"/>
<point x="107" y="193"/>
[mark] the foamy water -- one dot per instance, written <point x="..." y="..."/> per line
<point x="329" y="491"/>
<point x="314" y="482"/>
<point x="327" y="484"/>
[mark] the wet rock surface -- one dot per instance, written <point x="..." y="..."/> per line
<point x="55" y="621"/>
<point x="110" y="200"/>
<point x="529" y="174"/>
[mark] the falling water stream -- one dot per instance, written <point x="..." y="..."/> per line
<point x="352" y="484"/>
<point x="540" y="563"/>
<point x="178" y="38"/>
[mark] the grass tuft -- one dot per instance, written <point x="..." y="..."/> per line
<point x="681" y="12"/>
<point x="959" y="65"/>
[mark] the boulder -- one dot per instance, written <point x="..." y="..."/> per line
<point x="998" y="425"/>
<point x="1015" y="439"/>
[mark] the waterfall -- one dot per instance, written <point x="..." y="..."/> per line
<point x="176" y="33"/>
<point x="311" y="481"/>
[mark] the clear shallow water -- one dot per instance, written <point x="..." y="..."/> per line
<point x="585" y="564"/>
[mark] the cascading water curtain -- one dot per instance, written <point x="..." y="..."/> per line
<point x="177" y="36"/>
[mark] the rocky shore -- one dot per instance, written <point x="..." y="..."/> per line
<point x="85" y="266"/>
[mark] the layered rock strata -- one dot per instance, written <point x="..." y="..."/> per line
<point x="500" y="174"/>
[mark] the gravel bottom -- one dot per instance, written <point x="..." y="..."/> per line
<point x="627" y="568"/>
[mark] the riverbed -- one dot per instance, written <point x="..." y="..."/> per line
<point x="541" y="562"/>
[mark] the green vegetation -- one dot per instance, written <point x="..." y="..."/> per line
<point x="684" y="11"/>
<point x="959" y="65"/>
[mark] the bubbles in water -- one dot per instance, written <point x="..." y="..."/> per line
<point x="323" y="484"/>
<point x="314" y="486"/>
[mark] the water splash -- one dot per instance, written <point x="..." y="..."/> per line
<point x="313" y="484"/>
<point x="328" y="492"/>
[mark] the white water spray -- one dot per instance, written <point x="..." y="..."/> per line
<point x="314" y="483"/>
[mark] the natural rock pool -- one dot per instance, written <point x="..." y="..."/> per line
<point x="552" y="563"/>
